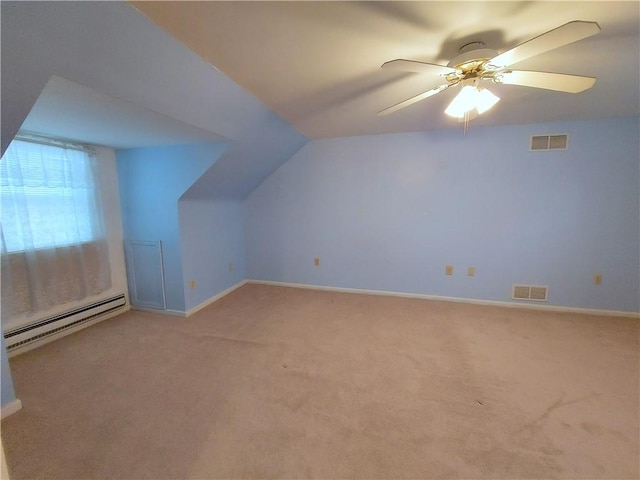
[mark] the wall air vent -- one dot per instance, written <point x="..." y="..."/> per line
<point x="548" y="142"/>
<point x="529" y="292"/>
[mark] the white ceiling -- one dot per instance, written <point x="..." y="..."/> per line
<point x="317" y="64"/>
<point x="66" y="109"/>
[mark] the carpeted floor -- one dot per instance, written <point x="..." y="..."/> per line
<point x="274" y="382"/>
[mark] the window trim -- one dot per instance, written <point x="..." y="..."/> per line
<point x="31" y="137"/>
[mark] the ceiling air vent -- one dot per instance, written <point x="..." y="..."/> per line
<point x="529" y="292"/>
<point x="548" y="142"/>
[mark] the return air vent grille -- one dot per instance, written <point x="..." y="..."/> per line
<point x="529" y="292"/>
<point x="549" y="142"/>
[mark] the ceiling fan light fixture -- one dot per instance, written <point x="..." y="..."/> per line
<point x="470" y="97"/>
<point x="475" y="64"/>
<point x="462" y="102"/>
<point x="485" y="100"/>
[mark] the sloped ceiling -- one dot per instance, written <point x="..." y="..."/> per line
<point x="114" y="51"/>
<point x="258" y="73"/>
<point x="66" y="109"/>
<point x="129" y="83"/>
<point x="317" y="64"/>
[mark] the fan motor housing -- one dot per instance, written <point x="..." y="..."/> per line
<point x="473" y="56"/>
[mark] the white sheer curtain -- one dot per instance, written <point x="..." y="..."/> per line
<point x="52" y="238"/>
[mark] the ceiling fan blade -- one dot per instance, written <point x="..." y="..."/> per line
<point x="417" y="98"/>
<point x="551" y="81"/>
<point x="558" y="37"/>
<point x="418" y="67"/>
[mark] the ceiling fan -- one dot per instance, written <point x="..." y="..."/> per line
<point x="474" y="65"/>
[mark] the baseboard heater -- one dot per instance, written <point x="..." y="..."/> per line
<point x="26" y="334"/>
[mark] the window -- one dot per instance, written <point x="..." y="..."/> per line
<point x="52" y="241"/>
<point x="48" y="197"/>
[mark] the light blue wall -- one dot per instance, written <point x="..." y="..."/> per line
<point x="389" y="212"/>
<point x="151" y="181"/>
<point x="212" y="237"/>
<point x="212" y="211"/>
<point x="128" y="57"/>
<point x="8" y="394"/>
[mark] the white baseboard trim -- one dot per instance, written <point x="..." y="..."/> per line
<point x="172" y="313"/>
<point x="474" y="301"/>
<point x="11" y="408"/>
<point x="209" y="301"/>
<point x="191" y="311"/>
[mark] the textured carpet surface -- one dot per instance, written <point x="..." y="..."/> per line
<point x="273" y="382"/>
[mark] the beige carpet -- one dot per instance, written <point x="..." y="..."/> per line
<point x="276" y="382"/>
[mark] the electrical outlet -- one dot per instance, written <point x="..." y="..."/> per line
<point x="231" y="267"/>
<point x="448" y="270"/>
<point x="316" y="261"/>
<point x="597" y="279"/>
<point x="471" y="271"/>
<point x="192" y="284"/>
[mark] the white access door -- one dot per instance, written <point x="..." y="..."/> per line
<point x="145" y="273"/>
